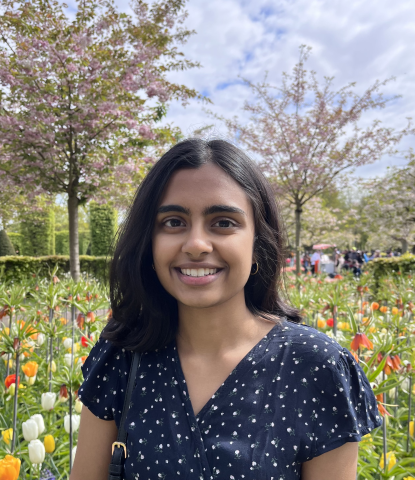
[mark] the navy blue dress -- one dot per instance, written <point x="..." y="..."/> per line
<point x="296" y="395"/>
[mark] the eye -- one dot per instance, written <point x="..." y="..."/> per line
<point x="175" y="222"/>
<point x="224" y="223"/>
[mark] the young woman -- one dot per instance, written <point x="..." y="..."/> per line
<point x="231" y="385"/>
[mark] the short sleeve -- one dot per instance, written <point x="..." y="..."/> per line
<point x="343" y="407"/>
<point x="105" y="374"/>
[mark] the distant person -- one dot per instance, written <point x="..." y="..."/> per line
<point x="315" y="260"/>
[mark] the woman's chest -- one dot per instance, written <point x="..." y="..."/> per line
<point x="247" y="430"/>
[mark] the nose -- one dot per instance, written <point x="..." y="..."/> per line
<point x="197" y="242"/>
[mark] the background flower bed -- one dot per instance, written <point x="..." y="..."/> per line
<point x="48" y="326"/>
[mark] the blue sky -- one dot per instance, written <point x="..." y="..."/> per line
<point x="352" y="40"/>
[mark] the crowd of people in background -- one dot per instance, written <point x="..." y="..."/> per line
<point x="339" y="261"/>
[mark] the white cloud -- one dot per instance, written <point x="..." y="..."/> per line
<point x="354" y="41"/>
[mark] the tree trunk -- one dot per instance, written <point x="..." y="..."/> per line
<point x="73" y="204"/>
<point x="298" y="212"/>
<point x="404" y="243"/>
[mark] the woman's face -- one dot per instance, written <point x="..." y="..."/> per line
<point x="203" y="237"/>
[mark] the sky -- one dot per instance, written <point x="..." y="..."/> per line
<point x="352" y="40"/>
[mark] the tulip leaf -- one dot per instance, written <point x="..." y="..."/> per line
<point x="373" y="375"/>
<point x="352" y="320"/>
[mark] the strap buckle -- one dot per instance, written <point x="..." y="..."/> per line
<point x="120" y="445"/>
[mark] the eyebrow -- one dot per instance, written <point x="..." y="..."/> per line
<point x="207" y="211"/>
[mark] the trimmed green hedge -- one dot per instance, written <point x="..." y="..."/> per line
<point x="19" y="268"/>
<point x="382" y="267"/>
<point x="17" y="241"/>
<point x="38" y="233"/>
<point x="62" y="242"/>
<point x="103" y="221"/>
<point x="6" y="247"/>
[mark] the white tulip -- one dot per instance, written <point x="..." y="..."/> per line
<point x="36" y="451"/>
<point x="21" y="357"/>
<point x="67" y="343"/>
<point x="73" y="453"/>
<point x="38" y="418"/>
<point x="40" y="339"/>
<point x="53" y="366"/>
<point x="30" y="380"/>
<point x="78" y="406"/>
<point x="48" y="400"/>
<point x="30" y="430"/>
<point x="68" y="359"/>
<point x="76" y="419"/>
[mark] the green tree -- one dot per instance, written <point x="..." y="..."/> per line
<point x="6" y="247"/>
<point x="103" y="220"/>
<point x="81" y="100"/>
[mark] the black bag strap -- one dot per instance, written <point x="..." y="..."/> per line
<point x="119" y="448"/>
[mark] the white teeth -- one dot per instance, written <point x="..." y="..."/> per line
<point x="200" y="272"/>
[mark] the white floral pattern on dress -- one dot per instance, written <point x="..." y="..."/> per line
<point x="296" y="395"/>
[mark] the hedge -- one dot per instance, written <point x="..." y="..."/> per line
<point x="17" y="242"/>
<point x="103" y="221"/>
<point x="382" y="267"/>
<point x="38" y="233"/>
<point x="62" y="242"/>
<point x="19" y="268"/>
<point x="6" y="247"/>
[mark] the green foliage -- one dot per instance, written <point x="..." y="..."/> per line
<point x="19" y="268"/>
<point x="16" y="239"/>
<point x="6" y="247"/>
<point x="62" y="242"/>
<point x="382" y="267"/>
<point x="103" y="220"/>
<point x="38" y="234"/>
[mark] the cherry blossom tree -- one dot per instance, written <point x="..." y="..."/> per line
<point x="81" y="98"/>
<point x="389" y="208"/>
<point x="307" y="134"/>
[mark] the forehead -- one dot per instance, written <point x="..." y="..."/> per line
<point x="207" y="185"/>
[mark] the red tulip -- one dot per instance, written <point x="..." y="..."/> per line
<point x="11" y="379"/>
<point x="361" y="339"/>
<point x="330" y="322"/>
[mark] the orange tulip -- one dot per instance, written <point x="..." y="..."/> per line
<point x="365" y="320"/>
<point x="396" y="362"/>
<point x="356" y="356"/>
<point x="63" y="321"/>
<point x="395" y="311"/>
<point x="383" y="309"/>
<point x="374" y="306"/>
<point x="90" y="317"/>
<point x="80" y="320"/>
<point x="9" y="468"/>
<point x="361" y="339"/>
<point x="30" y="369"/>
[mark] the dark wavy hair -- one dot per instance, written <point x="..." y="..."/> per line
<point x="144" y="314"/>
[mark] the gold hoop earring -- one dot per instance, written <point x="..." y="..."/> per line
<point x="257" y="268"/>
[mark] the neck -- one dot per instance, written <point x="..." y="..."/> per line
<point x="215" y="330"/>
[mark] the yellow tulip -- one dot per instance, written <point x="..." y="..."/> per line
<point x="372" y="329"/>
<point x="6" y="331"/>
<point x="391" y="459"/>
<point x="409" y="478"/>
<point x="411" y="428"/>
<point x="49" y="443"/>
<point x="367" y="439"/>
<point x="10" y="362"/>
<point x="321" y="323"/>
<point x="7" y="435"/>
<point x="9" y="468"/>
<point x="53" y="366"/>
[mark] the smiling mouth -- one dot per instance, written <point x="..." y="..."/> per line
<point x="198" y="272"/>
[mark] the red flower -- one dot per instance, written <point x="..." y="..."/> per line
<point x="84" y="341"/>
<point x="11" y="379"/>
<point x="63" y="392"/>
<point x="330" y="322"/>
<point x="361" y="339"/>
<point x="80" y="320"/>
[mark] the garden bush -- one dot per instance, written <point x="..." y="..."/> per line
<point x="19" y="268"/>
<point x="6" y="247"/>
<point x="38" y="234"/>
<point x="383" y="267"/>
<point x="17" y="242"/>
<point x="103" y="220"/>
<point x="62" y="242"/>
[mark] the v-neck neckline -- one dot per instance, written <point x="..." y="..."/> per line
<point x="259" y="346"/>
